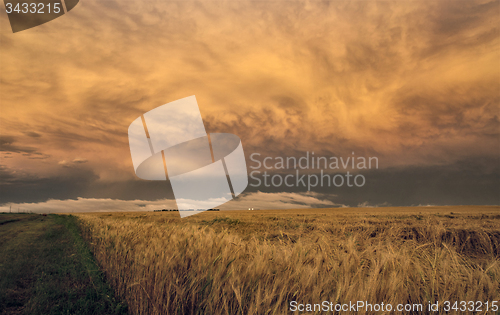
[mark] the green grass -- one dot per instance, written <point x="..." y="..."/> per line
<point x="46" y="268"/>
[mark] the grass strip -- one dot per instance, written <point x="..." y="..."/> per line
<point x="47" y="268"/>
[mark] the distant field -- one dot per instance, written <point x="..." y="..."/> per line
<point x="258" y="262"/>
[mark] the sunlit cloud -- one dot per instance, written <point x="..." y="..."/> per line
<point x="413" y="83"/>
<point x="257" y="200"/>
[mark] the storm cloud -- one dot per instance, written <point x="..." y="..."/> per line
<point x="414" y="83"/>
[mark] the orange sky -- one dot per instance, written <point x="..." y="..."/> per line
<point x="415" y="83"/>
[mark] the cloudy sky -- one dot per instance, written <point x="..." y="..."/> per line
<point x="414" y="83"/>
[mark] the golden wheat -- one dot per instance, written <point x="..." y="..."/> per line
<point x="257" y="262"/>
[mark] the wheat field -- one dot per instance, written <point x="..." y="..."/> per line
<point x="259" y="262"/>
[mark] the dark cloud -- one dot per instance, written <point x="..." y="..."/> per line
<point x="8" y="144"/>
<point x="467" y="182"/>
<point x="18" y="188"/>
<point x="33" y="134"/>
<point x="6" y="175"/>
<point x="80" y="160"/>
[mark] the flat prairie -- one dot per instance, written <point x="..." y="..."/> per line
<point x="280" y="261"/>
